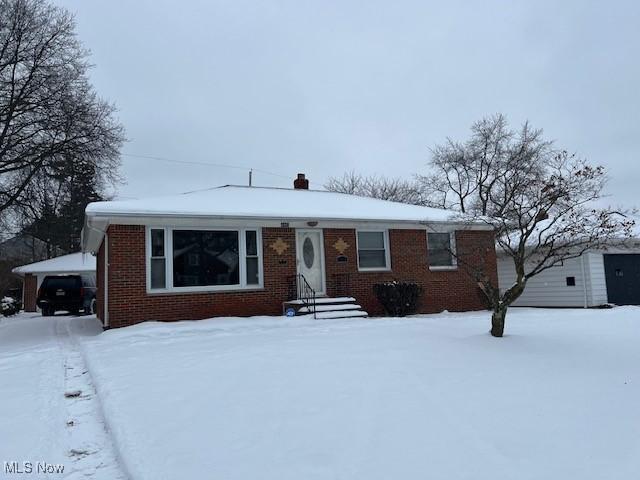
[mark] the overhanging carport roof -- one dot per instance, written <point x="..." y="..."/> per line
<point x="72" y="263"/>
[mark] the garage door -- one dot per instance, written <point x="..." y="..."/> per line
<point x="623" y="278"/>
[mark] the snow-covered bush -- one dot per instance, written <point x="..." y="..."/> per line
<point x="10" y="306"/>
<point x="398" y="298"/>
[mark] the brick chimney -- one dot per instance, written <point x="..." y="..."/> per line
<point x="301" y="183"/>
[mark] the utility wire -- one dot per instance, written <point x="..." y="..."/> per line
<point x="206" y="164"/>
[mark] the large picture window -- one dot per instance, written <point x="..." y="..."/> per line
<point x="373" y="250"/>
<point x="441" y="250"/>
<point x="202" y="258"/>
<point x="199" y="260"/>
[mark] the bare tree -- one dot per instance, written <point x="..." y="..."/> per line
<point x="544" y="204"/>
<point x="49" y="112"/>
<point x="394" y="189"/>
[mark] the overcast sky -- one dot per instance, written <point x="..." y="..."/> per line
<point x="323" y="87"/>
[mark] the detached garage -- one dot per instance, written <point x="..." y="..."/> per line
<point x="34" y="273"/>
<point x="593" y="279"/>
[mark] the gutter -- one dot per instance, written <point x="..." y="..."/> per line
<point x="478" y="225"/>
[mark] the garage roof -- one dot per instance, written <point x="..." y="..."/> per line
<point x="72" y="263"/>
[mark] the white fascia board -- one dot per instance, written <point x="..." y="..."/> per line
<point x="190" y="220"/>
<point x="92" y="233"/>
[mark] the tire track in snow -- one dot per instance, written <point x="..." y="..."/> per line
<point x="90" y="449"/>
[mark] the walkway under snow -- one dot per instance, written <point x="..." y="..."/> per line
<point x="50" y="416"/>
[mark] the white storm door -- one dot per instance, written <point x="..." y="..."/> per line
<point x="310" y="258"/>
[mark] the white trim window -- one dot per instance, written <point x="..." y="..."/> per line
<point x="373" y="250"/>
<point x="157" y="259"/>
<point x="203" y="259"/>
<point x="441" y="250"/>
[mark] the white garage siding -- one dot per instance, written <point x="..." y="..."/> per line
<point x="549" y="288"/>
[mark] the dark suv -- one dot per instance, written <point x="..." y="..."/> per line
<point x="72" y="293"/>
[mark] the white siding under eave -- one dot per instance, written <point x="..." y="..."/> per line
<point x="549" y="288"/>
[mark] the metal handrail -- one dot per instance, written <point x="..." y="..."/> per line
<point x="306" y="293"/>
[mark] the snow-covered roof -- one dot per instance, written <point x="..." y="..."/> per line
<point x="275" y="203"/>
<point x="72" y="263"/>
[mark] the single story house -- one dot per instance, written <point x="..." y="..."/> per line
<point x="33" y="274"/>
<point x="244" y="251"/>
<point x="597" y="277"/>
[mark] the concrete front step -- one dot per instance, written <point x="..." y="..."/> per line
<point x="331" y="308"/>
<point x="325" y="300"/>
<point x="341" y="314"/>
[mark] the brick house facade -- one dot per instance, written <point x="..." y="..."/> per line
<point x="124" y="284"/>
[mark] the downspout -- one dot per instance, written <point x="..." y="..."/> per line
<point x="105" y="307"/>
<point x="584" y="281"/>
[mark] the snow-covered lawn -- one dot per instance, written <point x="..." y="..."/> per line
<point x="431" y="397"/>
<point x="426" y="397"/>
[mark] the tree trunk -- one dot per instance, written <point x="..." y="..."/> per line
<point x="497" y="321"/>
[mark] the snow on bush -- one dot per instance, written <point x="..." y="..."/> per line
<point x="10" y="306"/>
<point x="398" y="298"/>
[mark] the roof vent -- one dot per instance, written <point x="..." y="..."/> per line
<point x="301" y="183"/>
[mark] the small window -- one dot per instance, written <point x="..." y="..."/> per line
<point x="158" y="259"/>
<point x="372" y="251"/>
<point x="253" y="274"/>
<point x="571" y="281"/>
<point x="441" y="249"/>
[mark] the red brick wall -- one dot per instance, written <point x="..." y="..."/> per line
<point x="30" y="292"/>
<point x="129" y="303"/>
<point x="452" y="290"/>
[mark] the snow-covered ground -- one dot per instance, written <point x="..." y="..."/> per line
<point x="51" y="423"/>
<point x="425" y="397"/>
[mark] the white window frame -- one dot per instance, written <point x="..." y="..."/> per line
<point x="452" y="247"/>
<point x="149" y="256"/>
<point x="168" y="250"/>
<point x="387" y="250"/>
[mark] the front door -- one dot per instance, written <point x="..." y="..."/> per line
<point x="310" y="258"/>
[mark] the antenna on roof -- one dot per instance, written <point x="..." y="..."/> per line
<point x="250" y="175"/>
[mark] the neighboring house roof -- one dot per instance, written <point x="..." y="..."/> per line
<point x="72" y="263"/>
<point x="233" y="202"/>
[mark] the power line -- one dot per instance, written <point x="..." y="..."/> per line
<point x="206" y="164"/>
